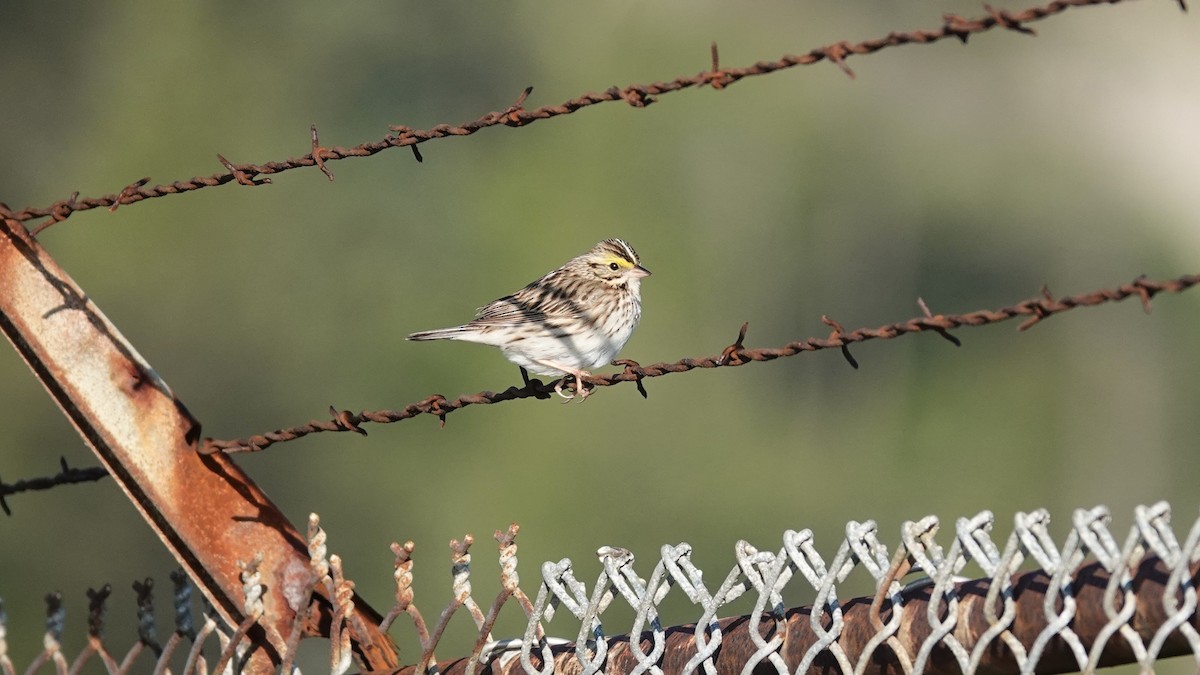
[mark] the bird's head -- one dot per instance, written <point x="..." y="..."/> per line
<point x="614" y="262"/>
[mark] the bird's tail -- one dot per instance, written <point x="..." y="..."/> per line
<point x="439" y="334"/>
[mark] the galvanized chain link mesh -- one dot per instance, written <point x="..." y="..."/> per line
<point x="938" y="619"/>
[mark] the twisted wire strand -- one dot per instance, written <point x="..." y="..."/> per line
<point x="1037" y="309"/>
<point x="67" y="475"/>
<point x="516" y="115"/>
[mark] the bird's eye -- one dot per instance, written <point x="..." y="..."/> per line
<point x="614" y="266"/>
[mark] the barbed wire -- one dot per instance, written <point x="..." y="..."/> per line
<point x="736" y="354"/>
<point x="1099" y="599"/>
<point x="516" y="115"/>
<point x="65" y="476"/>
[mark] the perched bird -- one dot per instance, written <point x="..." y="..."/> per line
<point x="576" y="317"/>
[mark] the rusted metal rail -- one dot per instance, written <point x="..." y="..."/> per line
<point x="206" y="510"/>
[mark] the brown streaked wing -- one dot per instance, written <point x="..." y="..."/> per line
<point x="538" y="301"/>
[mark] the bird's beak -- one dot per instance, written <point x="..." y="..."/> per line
<point x="638" y="272"/>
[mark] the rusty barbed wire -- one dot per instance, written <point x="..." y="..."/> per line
<point x="1037" y="309"/>
<point x="516" y="115"/>
<point x="65" y="476"/>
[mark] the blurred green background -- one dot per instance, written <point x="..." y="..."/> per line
<point x="969" y="176"/>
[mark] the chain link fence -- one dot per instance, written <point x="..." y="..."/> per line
<point x="1100" y="597"/>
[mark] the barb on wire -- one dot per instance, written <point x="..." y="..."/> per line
<point x="318" y="153"/>
<point x="941" y="331"/>
<point x="636" y="95"/>
<point x="65" y="476"/>
<point x="1037" y="309"/>
<point x="836" y="335"/>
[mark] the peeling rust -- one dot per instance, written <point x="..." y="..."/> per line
<point x="207" y="511"/>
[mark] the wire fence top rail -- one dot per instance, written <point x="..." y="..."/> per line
<point x="1101" y="597"/>
<point x="736" y="354"/>
<point x="516" y="115"/>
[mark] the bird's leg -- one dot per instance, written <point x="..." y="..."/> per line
<point x="578" y="374"/>
<point x="524" y="375"/>
<point x="583" y="391"/>
<point x="580" y="390"/>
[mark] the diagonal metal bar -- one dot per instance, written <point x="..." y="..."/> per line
<point x="206" y="510"/>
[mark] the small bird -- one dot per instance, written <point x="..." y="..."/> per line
<point x="576" y="317"/>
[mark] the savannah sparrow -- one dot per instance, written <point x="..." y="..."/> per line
<point x="578" y="316"/>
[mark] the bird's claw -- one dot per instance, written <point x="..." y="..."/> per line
<point x="581" y="392"/>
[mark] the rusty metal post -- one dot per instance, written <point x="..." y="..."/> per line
<point x="206" y="510"/>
